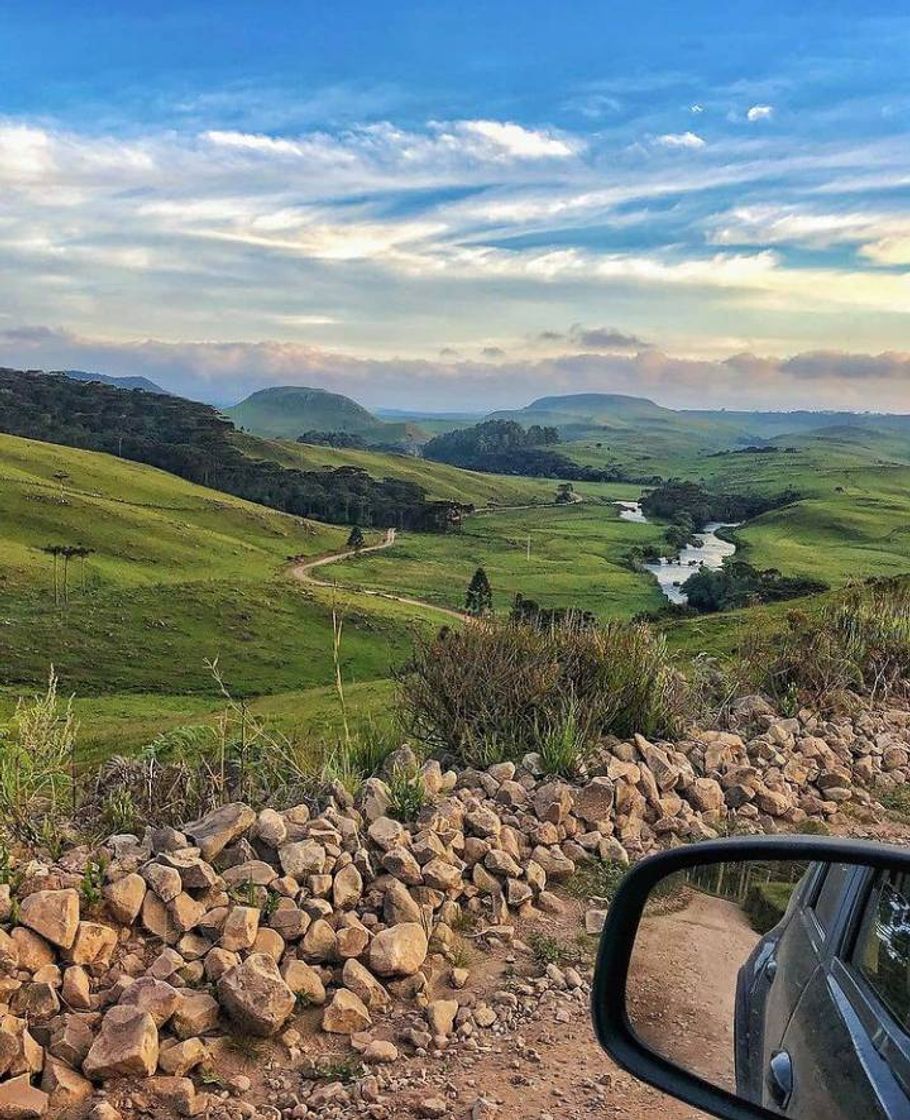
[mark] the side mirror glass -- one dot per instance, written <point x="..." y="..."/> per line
<point x="764" y="978"/>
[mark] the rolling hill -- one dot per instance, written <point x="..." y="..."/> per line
<point x="178" y="574"/>
<point x="290" y="410"/>
<point x="142" y="383"/>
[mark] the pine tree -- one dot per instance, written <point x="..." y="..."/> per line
<point x="479" y="597"/>
<point x="355" y="540"/>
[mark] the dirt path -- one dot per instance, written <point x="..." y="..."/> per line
<point x="303" y="571"/>
<point x="683" y="981"/>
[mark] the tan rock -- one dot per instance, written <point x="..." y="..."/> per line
<point x="126" y="1047"/>
<point x="301" y="858"/>
<point x="178" y="1060"/>
<point x="185" y="912"/>
<point x="399" y="950"/>
<point x="255" y="996"/>
<point x="52" y="914"/>
<point x="218" y="962"/>
<point x="212" y="833"/>
<point x="240" y="928"/>
<point x="157" y="997"/>
<point x="19" y="1052"/>
<point x="346" y="1014"/>
<point x="269" y="942"/>
<point x="65" y="1087"/>
<point x="195" y="1014"/>
<point x="351" y="941"/>
<point x="19" y="1100"/>
<point x="77" y="989"/>
<point x="347" y="888"/>
<point x="380" y="1052"/>
<point x="365" y="986"/>
<point x="303" y="981"/>
<point x="318" y="944"/>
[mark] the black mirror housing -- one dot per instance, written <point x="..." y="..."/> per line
<point x="609" y="993"/>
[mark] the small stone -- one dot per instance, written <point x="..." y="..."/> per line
<point x="432" y="1107"/>
<point x="347" y="888"/>
<point x="196" y="1014"/>
<point x="65" y="1087"/>
<point x="441" y="1016"/>
<point x="156" y="997"/>
<point x="178" y="1060"/>
<point x="77" y="990"/>
<point x="365" y="986"/>
<point x="213" y="832"/>
<point x="304" y="981"/>
<point x="380" y="1052"/>
<point x="595" y="921"/>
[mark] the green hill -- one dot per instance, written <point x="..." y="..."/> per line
<point x="442" y="482"/>
<point x="178" y="574"/>
<point x="290" y="410"/>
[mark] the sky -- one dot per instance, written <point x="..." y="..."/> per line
<point x="461" y="205"/>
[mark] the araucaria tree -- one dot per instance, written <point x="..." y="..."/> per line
<point x="355" y="540"/>
<point x="479" y="597"/>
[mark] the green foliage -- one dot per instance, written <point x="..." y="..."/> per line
<point x="36" y="766"/>
<point x="738" y="584"/>
<point x="505" y="684"/>
<point x="766" y="903"/>
<point x="92" y="883"/>
<point x="596" y="879"/>
<point x="407" y="794"/>
<point x="355" y="539"/>
<point x="350" y="761"/>
<point x="548" y="949"/>
<point x="858" y="643"/>
<point x="479" y="597"/>
<point x="564" y="747"/>
<point x="895" y="798"/>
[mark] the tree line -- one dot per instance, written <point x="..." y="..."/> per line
<point x="193" y="440"/>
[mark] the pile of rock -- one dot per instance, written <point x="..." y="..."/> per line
<point x="236" y="920"/>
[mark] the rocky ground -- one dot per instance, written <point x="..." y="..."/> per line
<point x="330" y="961"/>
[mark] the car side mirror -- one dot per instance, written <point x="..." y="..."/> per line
<point x="763" y="977"/>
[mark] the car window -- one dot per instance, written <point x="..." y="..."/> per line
<point x="827" y="901"/>
<point x="882" y="951"/>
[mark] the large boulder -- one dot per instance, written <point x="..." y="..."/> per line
<point x="157" y="997"/>
<point x="594" y="802"/>
<point x="126" y="1047"/>
<point x="125" y="896"/>
<point x="399" y="950"/>
<point x="19" y="1100"/>
<point x="365" y="986"/>
<point x="52" y="914"/>
<point x="255" y="996"/>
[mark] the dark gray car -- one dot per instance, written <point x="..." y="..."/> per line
<point x="823" y="1003"/>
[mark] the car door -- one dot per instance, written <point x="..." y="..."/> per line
<point x="844" y="1044"/>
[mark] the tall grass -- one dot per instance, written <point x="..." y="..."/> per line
<point x="500" y="689"/>
<point x="37" y="754"/>
<point x="858" y="644"/>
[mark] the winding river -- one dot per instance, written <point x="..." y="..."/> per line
<point x="671" y="574"/>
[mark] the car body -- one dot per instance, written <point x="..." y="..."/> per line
<point x="822" y="1013"/>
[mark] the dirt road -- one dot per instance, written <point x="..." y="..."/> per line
<point x="305" y="568"/>
<point x="683" y="981"/>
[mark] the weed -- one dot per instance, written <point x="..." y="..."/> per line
<point x="464" y="921"/>
<point x="896" y="799"/>
<point x="596" y="879"/>
<point x="551" y="950"/>
<point x="248" y="1048"/>
<point x="407" y="794"/>
<point x="90" y="888"/>
<point x="460" y="953"/>
<point x="118" y="812"/>
<point x="563" y="747"/>
<point x="336" y="1069"/>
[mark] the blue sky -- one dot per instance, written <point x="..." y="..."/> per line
<point x="430" y="205"/>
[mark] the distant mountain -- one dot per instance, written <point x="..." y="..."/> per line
<point x="285" y="412"/>
<point x="118" y="382"/>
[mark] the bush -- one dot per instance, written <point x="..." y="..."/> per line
<point x="500" y="689"/>
<point x="858" y="643"/>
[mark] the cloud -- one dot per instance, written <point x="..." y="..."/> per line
<point x="227" y="371"/>
<point x="689" y="140"/>
<point x="594" y="338"/>
<point x="517" y="142"/>
<point x="760" y="113"/>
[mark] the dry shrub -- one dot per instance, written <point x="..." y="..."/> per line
<point x="857" y="645"/>
<point x="498" y="689"/>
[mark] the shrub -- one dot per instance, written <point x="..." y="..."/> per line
<point x="407" y="794"/>
<point x="858" y="643"/>
<point x="502" y="688"/>
<point x="563" y="747"/>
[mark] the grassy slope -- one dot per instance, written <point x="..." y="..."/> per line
<point x="575" y="560"/>
<point x="180" y="574"/>
<point x="440" y="481"/>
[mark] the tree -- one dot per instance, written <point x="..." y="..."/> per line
<point x="355" y="540"/>
<point x="479" y="598"/>
<point x="56" y="551"/>
<point x="80" y="552"/>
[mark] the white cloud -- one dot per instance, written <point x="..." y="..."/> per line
<point x="680" y="140"/>
<point x="517" y="142"/>
<point x="760" y="113"/>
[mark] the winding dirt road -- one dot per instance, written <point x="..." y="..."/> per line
<point x="303" y="571"/>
